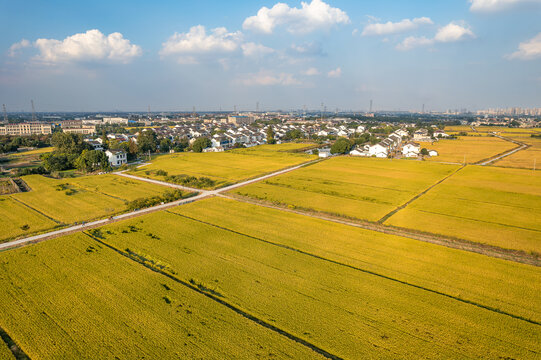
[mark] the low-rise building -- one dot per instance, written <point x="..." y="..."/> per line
<point x="83" y="130"/>
<point x="117" y="157"/>
<point x="22" y="129"/>
<point x="411" y="149"/>
<point x="240" y="119"/>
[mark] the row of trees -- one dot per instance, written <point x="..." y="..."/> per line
<point x="13" y="143"/>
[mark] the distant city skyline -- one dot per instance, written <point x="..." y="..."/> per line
<point x="174" y="55"/>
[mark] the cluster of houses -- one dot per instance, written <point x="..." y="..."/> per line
<point x="241" y="131"/>
<point x="399" y="143"/>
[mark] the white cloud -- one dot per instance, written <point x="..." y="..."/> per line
<point x="308" y="18"/>
<point x="412" y="42"/>
<point x="255" y="50"/>
<point x="265" y="78"/>
<point x="197" y="41"/>
<point x="397" y="27"/>
<point x="17" y="46"/>
<point x="336" y="73"/>
<point x="311" y="71"/>
<point x="528" y="50"/>
<point x="92" y="45"/>
<point x="498" y="5"/>
<point x="451" y="32"/>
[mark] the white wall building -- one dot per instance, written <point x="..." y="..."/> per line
<point x="411" y="149"/>
<point x="117" y="157"/>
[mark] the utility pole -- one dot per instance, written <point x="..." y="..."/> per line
<point x="5" y="113"/>
<point x="33" y="111"/>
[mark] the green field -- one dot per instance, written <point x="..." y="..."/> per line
<point x="472" y="149"/>
<point x="54" y="202"/>
<point x="491" y="205"/>
<point x="71" y="298"/>
<point x="361" y="188"/>
<point x="381" y="308"/>
<point x="227" y="167"/>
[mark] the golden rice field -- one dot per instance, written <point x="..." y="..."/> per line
<point x="526" y="158"/>
<point x="25" y="158"/>
<point x="361" y="188"/>
<point x="503" y="130"/>
<point x="71" y="298"/>
<point x="468" y="149"/>
<point x="5" y="353"/>
<point x="31" y="152"/>
<point x="227" y="167"/>
<point x="485" y="204"/>
<point x="53" y="202"/>
<point x="358" y="304"/>
<point x="401" y="258"/>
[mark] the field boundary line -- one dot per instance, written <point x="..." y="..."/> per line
<point x="217" y="299"/>
<point x="403" y="282"/>
<point x="36" y="210"/>
<point x="387" y="216"/>
<point x="15" y="349"/>
<point x="481" y="221"/>
<point x="497" y="157"/>
<point x="517" y="256"/>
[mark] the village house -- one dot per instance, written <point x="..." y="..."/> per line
<point x="411" y="149"/>
<point x="117" y="157"/>
<point x="378" y="150"/>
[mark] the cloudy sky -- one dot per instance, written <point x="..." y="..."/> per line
<point x="173" y="55"/>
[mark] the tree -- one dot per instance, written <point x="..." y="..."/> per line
<point x="56" y="162"/>
<point x="270" y="136"/>
<point x="68" y="143"/>
<point x="165" y="145"/>
<point x="293" y="134"/>
<point x="341" y="146"/>
<point x="181" y="144"/>
<point x="147" y="141"/>
<point x="132" y="149"/>
<point x="424" y="151"/>
<point x="200" y="144"/>
<point x="92" y="160"/>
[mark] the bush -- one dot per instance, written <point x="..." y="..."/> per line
<point x="191" y="181"/>
<point x="167" y="197"/>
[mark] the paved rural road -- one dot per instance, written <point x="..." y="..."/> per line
<point x="93" y="224"/>
<point x="510" y="152"/>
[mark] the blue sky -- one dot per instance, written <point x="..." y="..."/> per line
<point x="173" y="55"/>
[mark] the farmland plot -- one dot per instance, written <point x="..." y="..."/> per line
<point x="72" y="298"/>
<point x="491" y="205"/>
<point x="471" y="148"/>
<point x="346" y="311"/>
<point x="53" y="202"/>
<point x="527" y="158"/>
<point x="353" y="187"/>
<point x="5" y="353"/>
<point x="228" y="167"/>
<point x="17" y="219"/>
